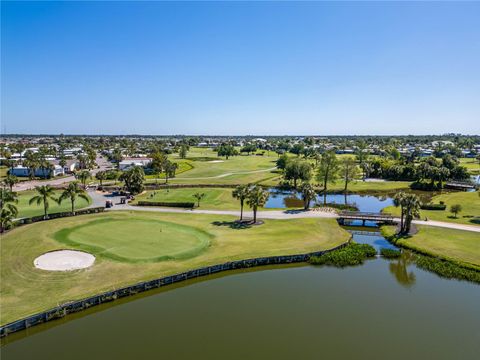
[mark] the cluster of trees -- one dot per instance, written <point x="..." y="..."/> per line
<point x="134" y="179"/>
<point x="328" y="169"/>
<point x="254" y="195"/>
<point x="43" y="196"/>
<point x="430" y="170"/>
<point x="161" y="164"/>
<point x="226" y="150"/>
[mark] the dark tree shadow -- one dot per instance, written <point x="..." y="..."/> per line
<point x="237" y="225"/>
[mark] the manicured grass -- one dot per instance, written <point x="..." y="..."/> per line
<point x="215" y="198"/>
<point x="135" y="240"/>
<point x="451" y="244"/>
<point x="26" y="210"/>
<point x="211" y="169"/>
<point x="26" y="290"/>
<point x="3" y="172"/>
<point x="472" y="165"/>
<point x="365" y="186"/>
<point x="183" y="165"/>
<point x="470" y="214"/>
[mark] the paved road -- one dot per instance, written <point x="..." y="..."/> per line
<point x="102" y="162"/>
<point x="98" y="199"/>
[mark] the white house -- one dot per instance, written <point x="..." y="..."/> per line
<point x="128" y="163"/>
<point x="23" y="171"/>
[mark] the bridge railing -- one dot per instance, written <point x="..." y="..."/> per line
<point x="360" y="214"/>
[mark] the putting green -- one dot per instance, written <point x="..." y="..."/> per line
<point x="135" y="240"/>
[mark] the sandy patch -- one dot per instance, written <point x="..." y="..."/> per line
<point x="375" y="180"/>
<point x="64" y="260"/>
<point x="216" y="161"/>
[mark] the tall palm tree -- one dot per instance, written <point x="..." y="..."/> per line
<point x="72" y="192"/>
<point x="398" y="201"/>
<point x="6" y="219"/>
<point x="308" y="194"/>
<point x="83" y="176"/>
<point x="241" y="193"/>
<point x="412" y="206"/>
<point x="44" y="194"/>
<point x="10" y="181"/>
<point x="257" y="197"/>
<point x="8" y="211"/>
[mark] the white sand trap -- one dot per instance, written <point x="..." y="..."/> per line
<point x="216" y="161"/>
<point x="64" y="260"/>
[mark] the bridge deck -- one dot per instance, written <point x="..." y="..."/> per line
<point x="357" y="215"/>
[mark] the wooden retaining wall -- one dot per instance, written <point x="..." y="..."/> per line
<point x="75" y="306"/>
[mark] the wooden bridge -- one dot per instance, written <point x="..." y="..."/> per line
<point x="366" y="216"/>
<point x="459" y="185"/>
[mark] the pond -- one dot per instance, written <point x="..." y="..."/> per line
<point x="382" y="309"/>
<point x="363" y="202"/>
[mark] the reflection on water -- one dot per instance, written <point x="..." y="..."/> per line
<point x="291" y="199"/>
<point x="399" y="269"/>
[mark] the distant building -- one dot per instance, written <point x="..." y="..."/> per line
<point x="128" y="163"/>
<point x="23" y="171"/>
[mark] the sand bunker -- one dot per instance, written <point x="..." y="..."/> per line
<point x="216" y="161"/>
<point x="64" y="260"/>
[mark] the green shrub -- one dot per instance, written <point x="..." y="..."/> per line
<point x="390" y="253"/>
<point x="433" y="207"/>
<point x="350" y="255"/>
<point x="447" y="269"/>
<point x="167" y="204"/>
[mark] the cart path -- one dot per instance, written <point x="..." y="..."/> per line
<point x="98" y="199"/>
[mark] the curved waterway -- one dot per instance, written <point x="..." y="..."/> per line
<point x="382" y="309"/>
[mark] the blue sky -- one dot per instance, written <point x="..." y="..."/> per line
<point x="240" y="68"/>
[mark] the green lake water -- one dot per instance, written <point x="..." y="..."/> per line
<point x="380" y="310"/>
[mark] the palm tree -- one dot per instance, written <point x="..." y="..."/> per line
<point x="6" y="219"/>
<point x="170" y="168"/>
<point x="308" y="194"/>
<point x="10" y="181"/>
<point x="198" y="196"/>
<point x="100" y="176"/>
<point x="398" y="201"/>
<point x="257" y="197"/>
<point x="83" y="176"/>
<point x="241" y="193"/>
<point x="412" y="205"/>
<point x="72" y="192"/>
<point x="45" y="192"/>
<point x="8" y="211"/>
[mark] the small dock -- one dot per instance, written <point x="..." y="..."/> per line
<point x="383" y="218"/>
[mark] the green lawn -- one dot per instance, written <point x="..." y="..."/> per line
<point x="26" y="210"/>
<point x="472" y="165"/>
<point x="208" y="168"/>
<point x="3" y="172"/>
<point x="365" y="186"/>
<point x="154" y="240"/>
<point x="215" y="198"/>
<point x="470" y="202"/>
<point x="183" y="165"/>
<point x="457" y="245"/>
<point x="26" y="290"/>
